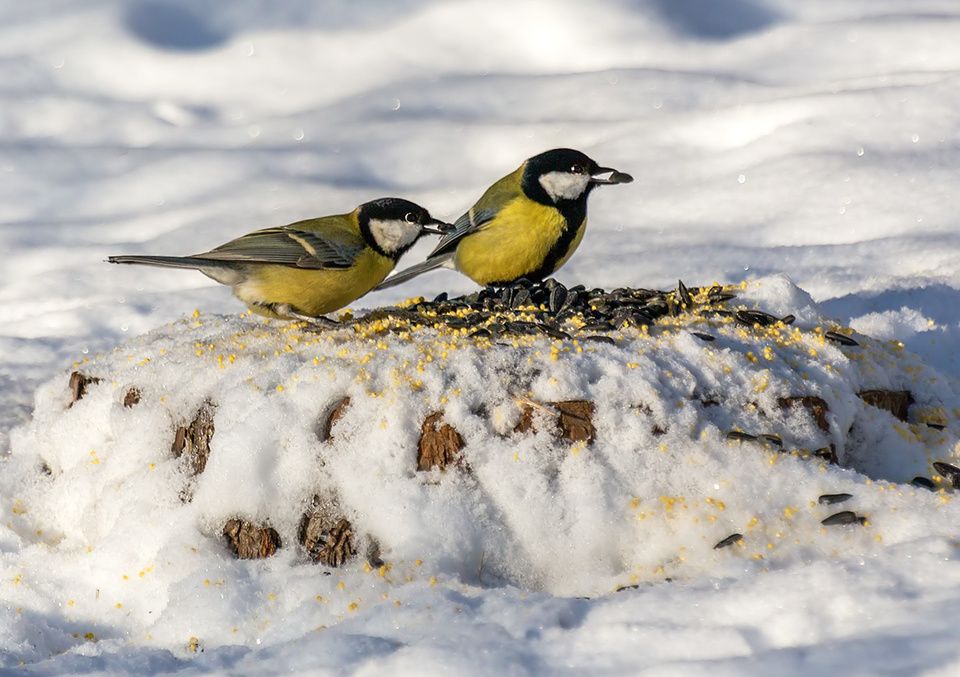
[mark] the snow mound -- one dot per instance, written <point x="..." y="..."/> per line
<point x="120" y="539"/>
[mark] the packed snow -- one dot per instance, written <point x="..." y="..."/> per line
<point x="807" y="148"/>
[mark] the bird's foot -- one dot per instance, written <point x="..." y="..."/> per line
<point x="317" y="324"/>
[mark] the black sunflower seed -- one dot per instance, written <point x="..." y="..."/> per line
<point x="923" y="482"/>
<point x="740" y="436"/>
<point x="520" y="298"/>
<point x="831" y="499"/>
<point x="441" y="297"/>
<point x="752" y="317"/>
<point x="840" y="338"/>
<point x="481" y="333"/>
<point x="597" y="326"/>
<point x="558" y="295"/>
<point x="936" y="426"/>
<point x="721" y="297"/>
<point x="522" y="327"/>
<point x="845" y="517"/>
<point x="599" y="339"/>
<point x="573" y="297"/>
<point x="577" y="288"/>
<point x="788" y="319"/>
<point x="728" y="541"/>
<point x="552" y="332"/>
<point x="774" y="440"/>
<point x="684" y="294"/>
<point x="703" y="337"/>
<point x="948" y="471"/>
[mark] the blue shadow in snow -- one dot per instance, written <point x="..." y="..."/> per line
<point x="715" y="19"/>
<point x="168" y="25"/>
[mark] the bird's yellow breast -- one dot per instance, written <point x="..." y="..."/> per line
<point x="313" y="292"/>
<point x="515" y="243"/>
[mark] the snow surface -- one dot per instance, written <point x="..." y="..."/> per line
<point x="816" y="139"/>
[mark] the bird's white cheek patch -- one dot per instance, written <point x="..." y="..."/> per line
<point x="393" y="234"/>
<point x="564" y="185"/>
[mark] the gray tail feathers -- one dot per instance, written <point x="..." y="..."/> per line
<point x="192" y="262"/>
<point x="413" y="271"/>
<point x="224" y="272"/>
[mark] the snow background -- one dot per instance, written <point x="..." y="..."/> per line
<point x="818" y="139"/>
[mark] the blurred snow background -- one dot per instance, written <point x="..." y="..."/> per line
<point x="819" y="139"/>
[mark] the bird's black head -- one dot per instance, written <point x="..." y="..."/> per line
<point x="392" y="225"/>
<point x="564" y="174"/>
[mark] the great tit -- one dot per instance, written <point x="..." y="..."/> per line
<point x="527" y="224"/>
<point x="306" y="269"/>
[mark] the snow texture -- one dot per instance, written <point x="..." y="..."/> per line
<point x="815" y="139"/>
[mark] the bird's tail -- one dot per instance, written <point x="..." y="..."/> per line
<point x="413" y="271"/>
<point x="191" y="262"/>
<point x="224" y="272"/>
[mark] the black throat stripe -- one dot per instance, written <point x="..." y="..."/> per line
<point x="574" y="213"/>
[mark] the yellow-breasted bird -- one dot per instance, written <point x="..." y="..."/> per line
<point x="306" y="269"/>
<point x="527" y="224"/>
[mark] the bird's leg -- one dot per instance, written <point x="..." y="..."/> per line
<point x="318" y="323"/>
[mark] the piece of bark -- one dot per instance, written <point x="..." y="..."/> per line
<point x="326" y="536"/>
<point x="897" y="402"/>
<point x="817" y="407"/>
<point x="325" y="429"/>
<point x="131" y="398"/>
<point x="78" y="386"/>
<point x="525" y="424"/>
<point x="576" y="420"/>
<point x="440" y="444"/>
<point x="194" y="440"/>
<point x="249" y="541"/>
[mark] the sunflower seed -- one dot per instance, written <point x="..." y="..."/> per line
<point x="752" y="317"/>
<point x="572" y="299"/>
<point x="703" y="337"/>
<point x="740" y="436"/>
<point x="774" y="440"/>
<point x="831" y="499"/>
<point x="845" y="517"/>
<point x="840" y="338"/>
<point x="558" y="295"/>
<point x="728" y="541"/>
<point x="684" y="294"/>
<point x="522" y="327"/>
<point x="553" y="333"/>
<point x="721" y="297"/>
<point x="923" y="482"/>
<point x="788" y="319"/>
<point x="948" y="471"/>
<point x="520" y="298"/>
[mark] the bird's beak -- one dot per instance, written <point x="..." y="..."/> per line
<point x="615" y="176"/>
<point x="435" y="227"/>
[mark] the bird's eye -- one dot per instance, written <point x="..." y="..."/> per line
<point x="411" y="218"/>
<point x="577" y="169"/>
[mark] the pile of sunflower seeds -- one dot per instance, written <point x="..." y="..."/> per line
<point x="549" y="307"/>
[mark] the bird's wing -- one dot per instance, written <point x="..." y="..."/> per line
<point x="483" y="212"/>
<point x="311" y="244"/>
